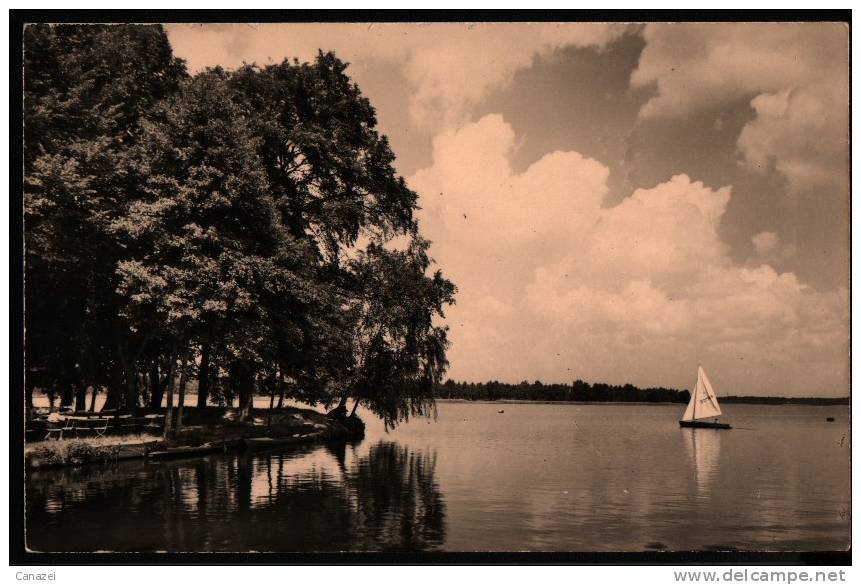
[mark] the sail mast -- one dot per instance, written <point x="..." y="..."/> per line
<point x="696" y="395"/>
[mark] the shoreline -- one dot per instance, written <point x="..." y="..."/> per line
<point x="766" y="401"/>
<point x="292" y="426"/>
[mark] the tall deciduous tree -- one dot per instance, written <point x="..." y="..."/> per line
<point x="86" y="89"/>
<point x="333" y="180"/>
<point x="398" y="344"/>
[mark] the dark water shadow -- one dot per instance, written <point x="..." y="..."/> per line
<point x="330" y="498"/>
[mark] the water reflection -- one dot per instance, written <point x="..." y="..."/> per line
<point x="316" y="499"/>
<point x="541" y="477"/>
<point x="703" y="448"/>
<point x="396" y="499"/>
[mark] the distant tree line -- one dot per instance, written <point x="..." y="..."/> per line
<point x="245" y="229"/>
<point x="785" y="400"/>
<point x="578" y="391"/>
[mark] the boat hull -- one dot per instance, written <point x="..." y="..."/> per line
<point x="703" y="424"/>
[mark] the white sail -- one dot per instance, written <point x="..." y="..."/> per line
<point x="703" y="402"/>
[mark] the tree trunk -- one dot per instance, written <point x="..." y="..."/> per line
<point x="110" y="399"/>
<point x="181" y="400"/>
<point x="80" y="397"/>
<point x="168" y="415"/>
<point x="93" y="399"/>
<point x="274" y="382"/>
<point x="203" y="378"/>
<point x="246" y="392"/>
<point x="131" y="394"/>
<point x="128" y="360"/>
<point x="341" y="409"/>
<point x="281" y="387"/>
<point x="30" y="386"/>
<point x="355" y="406"/>
<point x="116" y="382"/>
<point x="241" y="391"/>
<point x="156" y="392"/>
<point x="67" y="395"/>
<point x="143" y="388"/>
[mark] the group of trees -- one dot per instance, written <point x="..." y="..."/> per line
<point x="579" y="391"/>
<point x="245" y="228"/>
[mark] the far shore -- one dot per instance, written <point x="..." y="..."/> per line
<point x="764" y="400"/>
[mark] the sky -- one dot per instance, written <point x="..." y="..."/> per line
<point x="615" y="202"/>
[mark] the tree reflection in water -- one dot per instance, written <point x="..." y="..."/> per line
<point x="314" y="499"/>
<point x="397" y="502"/>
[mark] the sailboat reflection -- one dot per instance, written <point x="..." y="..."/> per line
<point x="703" y="448"/>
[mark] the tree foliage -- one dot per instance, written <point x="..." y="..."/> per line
<point x="247" y="226"/>
<point x="398" y="351"/>
<point x="86" y="91"/>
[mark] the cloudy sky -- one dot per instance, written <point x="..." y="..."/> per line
<point x="615" y="202"/>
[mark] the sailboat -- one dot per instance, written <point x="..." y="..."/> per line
<point x="703" y="405"/>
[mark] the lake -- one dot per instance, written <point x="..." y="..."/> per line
<point x="539" y="477"/>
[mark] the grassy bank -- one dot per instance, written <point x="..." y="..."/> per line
<point x="83" y="451"/>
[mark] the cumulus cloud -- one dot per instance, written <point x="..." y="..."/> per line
<point x="769" y="249"/>
<point x="557" y="285"/>
<point x="455" y="70"/>
<point x="765" y="242"/>
<point x="804" y="132"/>
<point x="472" y="188"/>
<point x="449" y="67"/>
<point x="796" y="76"/>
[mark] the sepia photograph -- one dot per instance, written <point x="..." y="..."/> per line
<point x="418" y="288"/>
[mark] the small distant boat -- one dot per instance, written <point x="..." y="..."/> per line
<point x="703" y="405"/>
<point x="829" y="419"/>
<point x="500" y="412"/>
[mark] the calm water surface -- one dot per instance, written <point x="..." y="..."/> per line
<point x="603" y="477"/>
